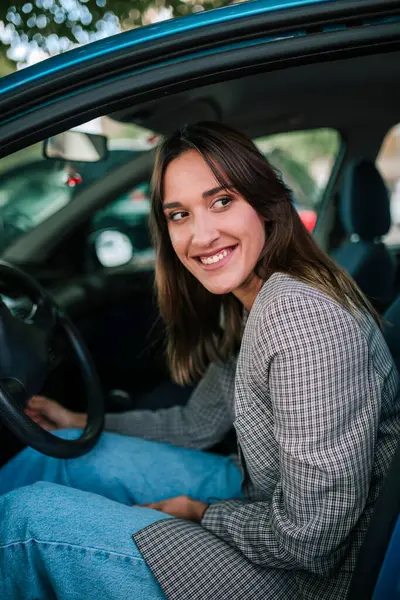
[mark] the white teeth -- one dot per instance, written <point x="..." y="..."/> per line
<point x="209" y="260"/>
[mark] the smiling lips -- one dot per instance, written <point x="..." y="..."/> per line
<point x="216" y="258"/>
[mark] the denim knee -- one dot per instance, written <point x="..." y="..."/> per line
<point x="68" y="434"/>
<point x="26" y="509"/>
<point x="30" y="496"/>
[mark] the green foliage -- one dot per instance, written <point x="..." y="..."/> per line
<point x="305" y="146"/>
<point x="45" y="22"/>
<point x="297" y="155"/>
<point x="6" y="66"/>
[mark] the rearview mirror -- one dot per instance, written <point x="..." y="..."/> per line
<point x="75" y="146"/>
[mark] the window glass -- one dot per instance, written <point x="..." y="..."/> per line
<point x="305" y="160"/>
<point x="388" y="163"/>
<point x="32" y="188"/>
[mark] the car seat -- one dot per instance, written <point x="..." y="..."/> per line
<point x="377" y="572"/>
<point x="365" y="214"/>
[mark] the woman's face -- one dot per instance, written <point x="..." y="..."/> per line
<point x="216" y="233"/>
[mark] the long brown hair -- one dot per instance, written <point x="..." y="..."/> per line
<point x="194" y="316"/>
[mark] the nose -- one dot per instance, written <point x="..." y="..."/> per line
<point x="204" y="231"/>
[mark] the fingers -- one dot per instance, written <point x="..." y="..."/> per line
<point x="33" y="414"/>
<point x="43" y="423"/>
<point x="160" y="506"/>
<point x="38" y="401"/>
<point x="39" y="419"/>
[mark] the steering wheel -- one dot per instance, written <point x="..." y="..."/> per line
<point x="27" y="357"/>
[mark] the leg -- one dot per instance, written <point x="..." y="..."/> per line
<point x="61" y="543"/>
<point x="130" y="470"/>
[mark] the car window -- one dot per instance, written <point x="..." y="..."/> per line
<point x="388" y="163"/>
<point x="30" y="192"/>
<point x="33" y="188"/>
<point x="305" y="160"/>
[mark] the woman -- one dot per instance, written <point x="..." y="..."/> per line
<point x="313" y="397"/>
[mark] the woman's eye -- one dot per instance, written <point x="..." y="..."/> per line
<point x="177" y="216"/>
<point x="223" y="202"/>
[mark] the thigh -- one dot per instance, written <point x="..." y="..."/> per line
<point x="59" y="542"/>
<point x="130" y="470"/>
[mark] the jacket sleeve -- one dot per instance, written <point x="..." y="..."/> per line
<point x="200" y="424"/>
<point x="312" y="366"/>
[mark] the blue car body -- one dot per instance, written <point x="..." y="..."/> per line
<point x="153" y="32"/>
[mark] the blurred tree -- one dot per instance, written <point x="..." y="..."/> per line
<point x="5" y="66"/>
<point x="53" y="26"/>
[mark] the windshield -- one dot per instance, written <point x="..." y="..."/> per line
<point x="28" y="195"/>
<point x="33" y="188"/>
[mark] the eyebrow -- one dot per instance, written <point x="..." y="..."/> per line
<point x="205" y="195"/>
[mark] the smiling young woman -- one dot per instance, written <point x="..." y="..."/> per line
<point x="288" y="350"/>
<point x="221" y="210"/>
<point x="215" y="233"/>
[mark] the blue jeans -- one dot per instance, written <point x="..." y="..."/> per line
<point x="66" y="526"/>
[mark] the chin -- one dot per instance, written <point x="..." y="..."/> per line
<point x="220" y="288"/>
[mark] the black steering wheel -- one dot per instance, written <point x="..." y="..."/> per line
<point x="27" y="357"/>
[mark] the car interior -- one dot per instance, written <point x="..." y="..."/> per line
<point x="114" y="307"/>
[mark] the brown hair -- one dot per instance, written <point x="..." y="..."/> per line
<point x="191" y="313"/>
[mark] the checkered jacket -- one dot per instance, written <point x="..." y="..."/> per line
<point x="317" y="417"/>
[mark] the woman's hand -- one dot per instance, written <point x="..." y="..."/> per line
<point x="181" y="507"/>
<point x="50" y="415"/>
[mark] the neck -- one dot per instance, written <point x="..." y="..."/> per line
<point x="248" y="291"/>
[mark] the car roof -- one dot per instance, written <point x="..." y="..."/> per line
<point x="142" y="35"/>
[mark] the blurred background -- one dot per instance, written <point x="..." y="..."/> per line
<point x="33" y="31"/>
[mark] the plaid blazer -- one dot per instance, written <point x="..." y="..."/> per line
<point x="317" y="414"/>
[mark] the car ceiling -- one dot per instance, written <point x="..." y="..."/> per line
<point x="341" y="94"/>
